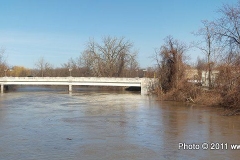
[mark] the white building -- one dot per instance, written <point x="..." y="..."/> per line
<point x="205" y="81"/>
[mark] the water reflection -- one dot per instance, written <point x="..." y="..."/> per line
<point x="51" y="124"/>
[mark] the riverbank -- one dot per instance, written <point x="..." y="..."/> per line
<point x="190" y="93"/>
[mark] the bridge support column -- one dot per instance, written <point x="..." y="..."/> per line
<point x="144" y="86"/>
<point x="2" y="88"/>
<point x="148" y="85"/>
<point x="70" y="88"/>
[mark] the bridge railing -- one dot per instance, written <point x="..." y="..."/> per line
<point x="101" y="79"/>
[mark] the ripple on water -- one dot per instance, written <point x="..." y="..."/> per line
<point x="94" y="125"/>
<point x="120" y="151"/>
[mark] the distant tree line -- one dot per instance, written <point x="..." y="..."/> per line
<point x="114" y="57"/>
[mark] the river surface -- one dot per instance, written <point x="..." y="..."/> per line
<point x="51" y="124"/>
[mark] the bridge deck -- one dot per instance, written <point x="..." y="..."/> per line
<point x="88" y="81"/>
<point x="71" y="81"/>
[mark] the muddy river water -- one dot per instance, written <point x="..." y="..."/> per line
<point x="50" y="124"/>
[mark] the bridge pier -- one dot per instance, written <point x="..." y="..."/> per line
<point x="2" y="88"/>
<point x="70" y="88"/>
<point x="144" y="89"/>
<point x="148" y="85"/>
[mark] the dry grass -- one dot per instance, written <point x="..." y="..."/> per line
<point x="231" y="101"/>
<point x="184" y="92"/>
<point x="188" y="92"/>
<point x="209" y="98"/>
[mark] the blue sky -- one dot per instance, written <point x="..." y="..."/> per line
<point x="59" y="29"/>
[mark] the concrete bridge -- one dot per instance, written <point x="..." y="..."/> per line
<point x="146" y="84"/>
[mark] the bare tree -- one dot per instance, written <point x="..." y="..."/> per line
<point x="201" y="66"/>
<point x="43" y="66"/>
<point x="3" y="65"/>
<point x="132" y="66"/>
<point x="110" y="59"/>
<point x="170" y="61"/>
<point x="207" y="46"/>
<point x="228" y="26"/>
<point x="227" y="33"/>
<point x="88" y="61"/>
<point x="72" y="66"/>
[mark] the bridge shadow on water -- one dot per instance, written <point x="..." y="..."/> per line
<point x="133" y="89"/>
<point x="76" y="89"/>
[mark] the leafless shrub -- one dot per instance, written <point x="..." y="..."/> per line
<point x="231" y="102"/>
<point x="209" y="98"/>
<point x="186" y="92"/>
